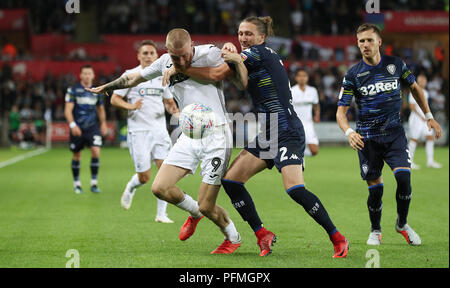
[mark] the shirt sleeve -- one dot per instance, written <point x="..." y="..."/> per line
<point x="315" y="99"/>
<point x="167" y="94"/>
<point x="70" y="97"/>
<point x="214" y="57"/>
<point x="407" y="77"/>
<point x="100" y="99"/>
<point x="347" y="90"/>
<point x="154" y="70"/>
<point x="250" y="57"/>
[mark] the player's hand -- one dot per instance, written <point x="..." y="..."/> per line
<point x="231" y="57"/>
<point x="356" y="141"/>
<point x="229" y="47"/>
<point x="137" y="105"/>
<point x="98" y="90"/>
<point x="167" y="74"/>
<point x="76" y="131"/>
<point x="432" y="124"/>
<point x="103" y="129"/>
<point x="316" y="119"/>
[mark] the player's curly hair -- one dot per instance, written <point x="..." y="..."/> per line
<point x="264" y="24"/>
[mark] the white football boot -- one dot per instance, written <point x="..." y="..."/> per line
<point x="410" y="235"/>
<point x="127" y="198"/>
<point x="163" y="219"/>
<point x="374" y="238"/>
<point x="434" y="165"/>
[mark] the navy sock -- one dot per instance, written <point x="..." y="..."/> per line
<point x="313" y="206"/>
<point x="76" y="170"/>
<point x="403" y="194"/>
<point x="242" y="201"/>
<point x="375" y="205"/>
<point x="94" y="168"/>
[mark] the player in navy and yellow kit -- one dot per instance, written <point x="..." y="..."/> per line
<point x="260" y="70"/>
<point x="376" y="83"/>
<point x="81" y="111"/>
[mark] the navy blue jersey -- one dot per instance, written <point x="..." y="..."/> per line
<point x="269" y="87"/>
<point x="84" y="112"/>
<point x="377" y="92"/>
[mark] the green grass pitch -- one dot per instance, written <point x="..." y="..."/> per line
<point x="41" y="217"/>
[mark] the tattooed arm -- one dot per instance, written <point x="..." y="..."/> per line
<point x="126" y="81"/>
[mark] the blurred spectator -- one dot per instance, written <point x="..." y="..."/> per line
<point x="14" y="124"/>
<point x="9" y="50"/>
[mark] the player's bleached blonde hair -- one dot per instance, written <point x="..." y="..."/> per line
<point x="177" y="38"/>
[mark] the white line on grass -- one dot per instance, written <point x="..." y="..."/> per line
<point x="23" y="157"/>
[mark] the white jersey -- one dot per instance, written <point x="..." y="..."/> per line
<point x="303" y="101"/>
<point x="411" y="100"/>
<point x="151" y="116"/>
<point x="186" y="90"/>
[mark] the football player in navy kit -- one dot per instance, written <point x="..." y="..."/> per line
<point x="82" y="109"/>
<point x="376" y="82"/>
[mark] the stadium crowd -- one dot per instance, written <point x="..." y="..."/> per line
<point x="26" y="101"/>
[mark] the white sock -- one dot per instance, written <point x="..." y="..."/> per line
<point x="190" y="205"/>
<point x="93" y="182"/>
<point x="412" y="149"/>
<point x="134" y="183"/>
<point x="161" y="207"/>
<point x="429" y="149"/>
<point x="231" y="233"/>
<point x="76" y="183"/>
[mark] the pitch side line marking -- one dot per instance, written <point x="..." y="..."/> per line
<point x="23" y="157"/>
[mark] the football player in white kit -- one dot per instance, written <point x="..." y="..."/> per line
<point x="305" y="100"/>
<point x="418" y="129"/>
<point x="211" y="152"/>
<point x="147" y="137"/>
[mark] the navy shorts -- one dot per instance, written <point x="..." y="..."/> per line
<point x="392" y="149"/>
<point x="284" y="152"/>
<point x="89" y="137"/>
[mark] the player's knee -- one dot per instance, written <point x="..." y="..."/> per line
<point x="76" y="156"/>
<point x="159" y="189"/>
<point x="403" y="178"/>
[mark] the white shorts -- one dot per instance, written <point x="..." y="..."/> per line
<point x="146" y="146"/>
<point x="310" y="133"/>
<point x="212" y="151"/>
<point x="418" y="129"/>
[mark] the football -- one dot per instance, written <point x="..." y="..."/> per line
<point x="196" y="120"/>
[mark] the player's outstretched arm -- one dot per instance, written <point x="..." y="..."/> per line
<point x="125" y="81"/>
<point x="354" y="139"/>
<point x="418" y="95"/>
